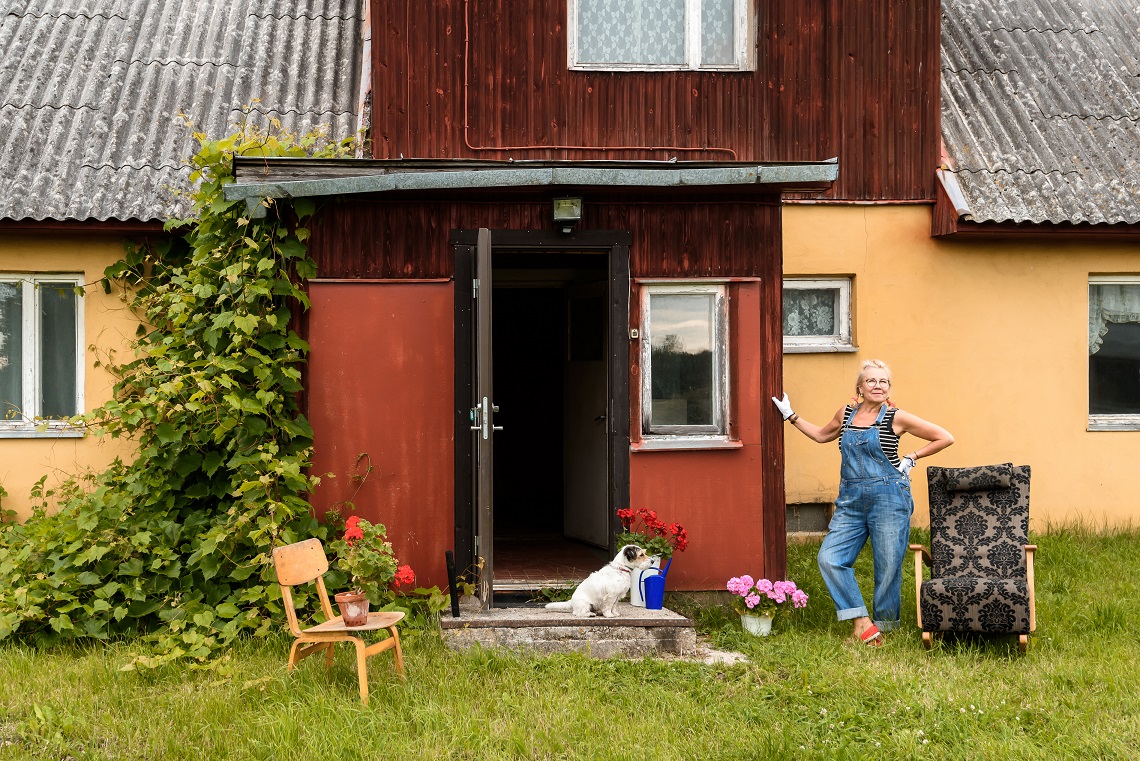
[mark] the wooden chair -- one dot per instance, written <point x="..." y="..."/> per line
<point x="303" y="562"/>
<point x="981" y="566"/>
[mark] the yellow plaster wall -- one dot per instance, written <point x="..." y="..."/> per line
<point x="108" y="325"/>
<point x="987" y="338"/>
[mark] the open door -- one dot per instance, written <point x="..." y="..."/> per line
<point x="483" y="421"/>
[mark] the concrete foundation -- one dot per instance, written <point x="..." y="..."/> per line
<point x="634" y="633"/>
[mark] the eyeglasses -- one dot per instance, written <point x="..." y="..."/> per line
<point x="873" y="382"/>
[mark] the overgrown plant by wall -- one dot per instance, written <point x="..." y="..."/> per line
<point x="175" y="545"/>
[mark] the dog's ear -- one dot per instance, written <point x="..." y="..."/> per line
<point x="631" y="552"/>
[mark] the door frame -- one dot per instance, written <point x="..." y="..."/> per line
<point x="616" y="244"/>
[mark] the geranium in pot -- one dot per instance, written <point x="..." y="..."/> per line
<point x="758" y="602"/>
<point x="658" y="538"/>
<point x="366" y="555"/>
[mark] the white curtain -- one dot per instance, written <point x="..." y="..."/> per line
<point x="809" y="311"/>
<point x="1111" y="303"/>
<point x="631" y="31"/>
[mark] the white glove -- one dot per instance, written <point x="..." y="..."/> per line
<point x="784" y="406"/>
<point x="905" y="465"/>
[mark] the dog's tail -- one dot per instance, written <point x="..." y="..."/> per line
<point x="567" y="605"/>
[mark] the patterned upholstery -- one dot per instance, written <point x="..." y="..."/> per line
<point x="979" y="526"/>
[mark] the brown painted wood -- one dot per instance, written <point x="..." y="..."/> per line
<point x="774" y="507"/>
<point x="856" y="79"/>
<point x="619" y="385"/>
<point x="484" y="422"/>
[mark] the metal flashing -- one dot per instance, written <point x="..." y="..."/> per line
<point x="641" y="175"/>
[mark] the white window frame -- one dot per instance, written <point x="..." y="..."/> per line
<point x="687" y="436"/>
<point x="1101" y="422"/>
<point x="841" y="342"/>
<point x="30" y="425"/>
<point x="744" y="25"/>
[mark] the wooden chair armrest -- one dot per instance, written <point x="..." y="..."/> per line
<point x="1029" y="550"/>
<point x="925" y="553"/>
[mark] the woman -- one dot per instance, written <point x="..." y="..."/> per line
<point x="874" y="497"/>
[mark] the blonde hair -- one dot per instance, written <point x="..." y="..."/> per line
<point x="871" y="364"/>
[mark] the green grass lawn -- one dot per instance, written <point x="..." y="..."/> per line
<point x="805" y="692"/>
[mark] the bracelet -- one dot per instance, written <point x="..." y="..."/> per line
<point x="793" y="418"/>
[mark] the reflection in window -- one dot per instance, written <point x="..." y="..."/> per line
<point x="684" y="367"/>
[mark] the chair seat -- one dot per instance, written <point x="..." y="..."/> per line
<point x="975" y="604"/>
<point x="379" y="620"/>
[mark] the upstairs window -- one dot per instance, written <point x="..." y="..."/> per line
<point x="684" y="360"/>
<point x="41" y="354"/>
<point x="1114" y="353"/>
<point x="648" y="35"/>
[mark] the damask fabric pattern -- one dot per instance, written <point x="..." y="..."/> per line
<point x="631" y="31"/>
<point x="809" y="311"/>
<point x="978" y="532"/>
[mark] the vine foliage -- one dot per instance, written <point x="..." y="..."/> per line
<point x="175" y="544"/>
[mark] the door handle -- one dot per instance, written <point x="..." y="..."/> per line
<point x="480" y="417"/>
<point x="600" y="418"/>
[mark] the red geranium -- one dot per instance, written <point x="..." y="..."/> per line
<point x="643" y="528"/>
<point x="405" y="576"/>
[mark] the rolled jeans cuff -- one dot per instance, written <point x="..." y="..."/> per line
<point x="850" y="613"/>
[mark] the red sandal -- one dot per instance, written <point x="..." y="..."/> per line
<point x="871" y="636"/>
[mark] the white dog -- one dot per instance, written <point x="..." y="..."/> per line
<point x="600" y="592"/>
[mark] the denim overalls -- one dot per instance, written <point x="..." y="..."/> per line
<point x="874" y="503"/>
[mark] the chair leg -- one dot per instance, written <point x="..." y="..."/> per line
<point x="927" y="639"/>
<point x="399" y="655"/>
<point x="1023" y="643"/>
<point x="329" y="656"/>
<point x="361" y="668"/>
<point x="293" y="659"/>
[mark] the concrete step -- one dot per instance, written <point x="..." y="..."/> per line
<point x="633" y="633"/>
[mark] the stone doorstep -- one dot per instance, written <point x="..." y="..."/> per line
<point x="634" y="632"/>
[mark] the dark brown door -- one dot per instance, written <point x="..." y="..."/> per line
<point x="483" y="421"/>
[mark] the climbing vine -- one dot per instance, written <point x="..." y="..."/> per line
<point x="175" y="544"/>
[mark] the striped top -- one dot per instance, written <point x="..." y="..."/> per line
<point x="888" y="439"/>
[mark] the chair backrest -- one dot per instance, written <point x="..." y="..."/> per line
<point x="979" y="520"/>
<point x="301" y="563"/>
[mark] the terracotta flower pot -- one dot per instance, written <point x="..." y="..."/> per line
<point x="353" y="607"/>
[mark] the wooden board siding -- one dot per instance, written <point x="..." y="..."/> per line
<point x="380" y="382"/>
<point x="856" y="79"/>
<point x="409" y="239"/>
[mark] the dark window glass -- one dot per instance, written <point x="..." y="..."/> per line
<point x="11" y="349"/>
<point x="57" y="349"/>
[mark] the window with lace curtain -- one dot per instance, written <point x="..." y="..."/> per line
<point x="41" y="354"/>
<point x="817" y="315"/>
<point x="1114" y="353"/>
<point x="647" y="35"/>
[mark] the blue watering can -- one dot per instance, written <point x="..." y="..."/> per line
<point x="653" y="586"/>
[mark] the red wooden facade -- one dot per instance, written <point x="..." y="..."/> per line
<point x="488" y="79"/>
<point x="853" y="79"/>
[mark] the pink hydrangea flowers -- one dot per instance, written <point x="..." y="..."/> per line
<point x="764" y="597"/>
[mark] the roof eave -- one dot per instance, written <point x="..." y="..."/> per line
<point x="657" y="175"/>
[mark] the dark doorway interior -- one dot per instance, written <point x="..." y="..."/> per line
<point x="549" y="332"/>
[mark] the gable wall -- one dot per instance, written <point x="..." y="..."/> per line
<point x="853" y="79"/>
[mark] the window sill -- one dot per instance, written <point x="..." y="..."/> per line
<point x="1114" y="423"/>
<point x="820" y="349"/>
<point x="684" y="443"/>
<point x="48" y="433"/>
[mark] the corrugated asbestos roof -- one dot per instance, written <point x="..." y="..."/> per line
<point x="1041" y="108"/>
<point x="91" y="92"/>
